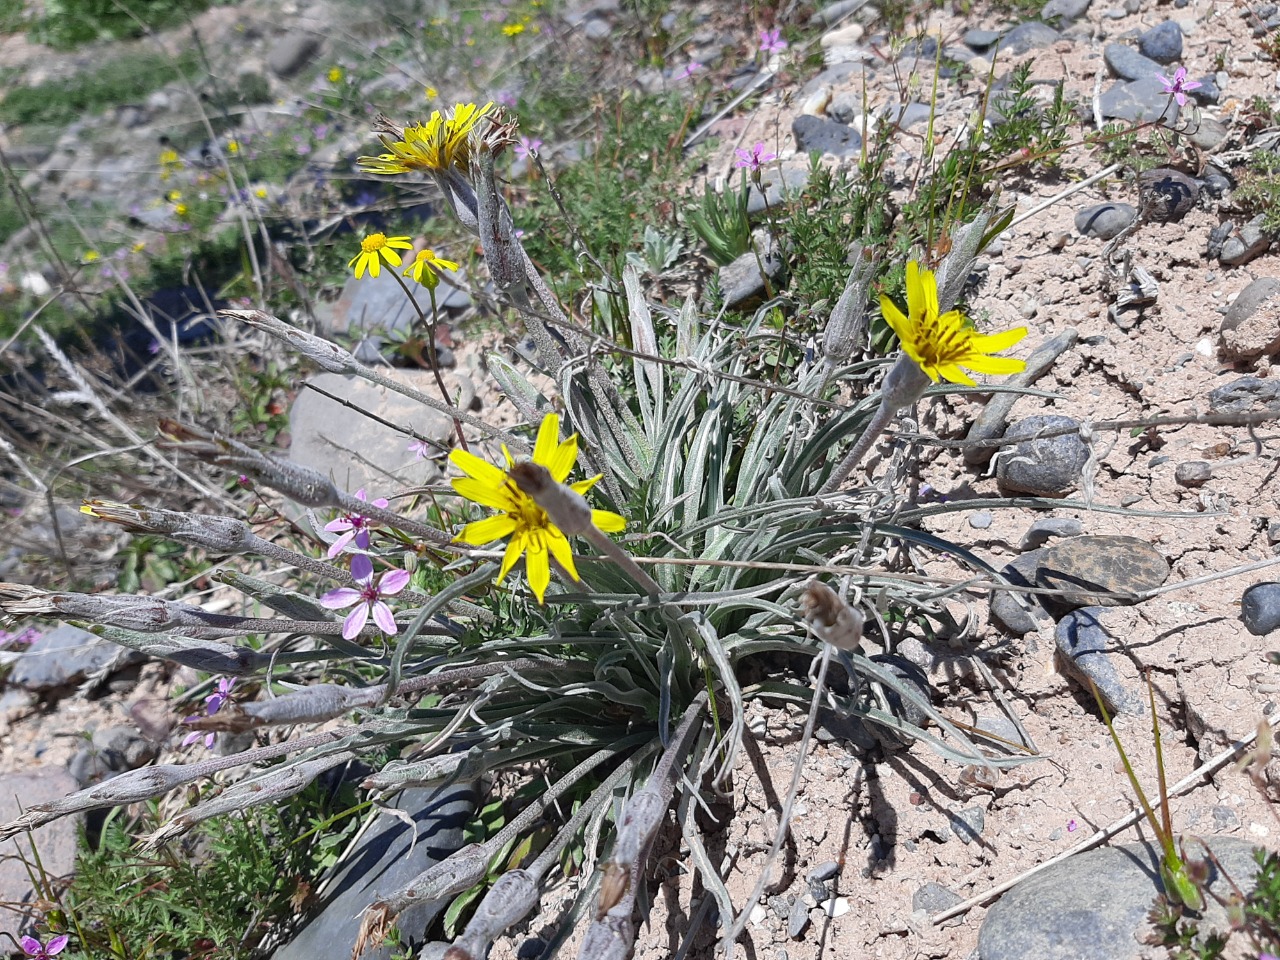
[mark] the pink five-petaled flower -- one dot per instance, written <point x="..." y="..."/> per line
<point x="366" y="596"/>
<point x="352" y="526"/>
<point x="771" y="41"/>
<point x="212" y="704"/>
<point x="43" y="951"/>
<point x="754" y="158"/>
<point x="526" y="147"/>
<point x="1179" y="85"/>
<point x="420" y="449"/>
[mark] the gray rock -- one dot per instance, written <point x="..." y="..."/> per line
<point x="1094" y="906"/>
<point x="1045" y="529"/>
<point x="814" y="134"/>
<point x="1139" y="101"/>
<point x="741" y="283"/>
<point x="933" y="898"/>
<point x="1245" y="244"/>
<point x="1104" y="220"/>
<point x="387" y="857"/>
<point x="1260" y="608"/>
<point x="55" y="841"/>
<point x="1105" y="571"/>
<point x="326" y="434"/>
<point x="1026" y="37"/>
<point x="968" y="823"/>
<point x="836" y="12"/>
<point x="1206" y="132"/>
<point x="1217" y="184"/>
<point x="1042" y="466"/>
<point x="379" y="305"/>
<point x="1208" y="93"/>
<point x="1003" y="732"/>
<point x="1127" y="63"/>
<point x="1162" y="43"/>
<point x="980" y="40"/>
<point x="778" y="184"/>
<point x="980" y="520"/>
<point x="67" y="655"/>
<point x="824" y="872"/>
<point x="1018" y="613"/>
<point x="1064" y="11"/>
<point x="1193" y="473"/>
<point x="112" y="751"/>
<point x="798" y="920"/>
<point x="990" y="424"/>
<point x="597" y="28"/>
<point x="1251" y="325"/>
<point x="1167" y="194"/>
<point x="1083" y="643"/>
<point x="1217" y="237"/>
<point x="1247" y="392"/>
<point x="292" y="52"/>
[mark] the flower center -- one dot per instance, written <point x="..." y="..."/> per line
<point x="369" y="591"/>
<point x="373" y="243"/>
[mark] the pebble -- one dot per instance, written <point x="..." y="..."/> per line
<point x="933" y="898"/>
<point x="1193" y="473"/>
<point x="1045" y="529"/>
<point x="1167" y="194"/>
<point x="1127" y="63"/>
<point x="1094" y="906"/>
<point x="1246" y="393"/>
<point x="816" y="134"/>
<point x="1103" y="221"/>
<point x="1018" y="613"/>
<point x="798" y="920"/>
<point x="836" y="12"/>
<point x="1217" y="237"/>
<point x="824" y="871"/>
<point x="292" y="52"/>
<point x="1083" y="643"/>
<point x="980" y="520"/>
<point x="64" y="656"/>
<point x="1245" y="244"/>
<point x="1042" y="466"/>
<point x="1206" y="132"/>
<point x="1065" y="11"/>
<point x="1208" y="93"/>
<point x="1162" y="43"/>
<point x="1029" y="309"/>
<point x="1109" y="563"/>
<point x="1139" y="101"/>
<point x="1251" y="325"/>
<point x="1026" y="37"/>
<point x="980" y="40"/>
<point x="1216" y="183"/>
<point x="778" y="184"/>
<point x="741" y="283"/>
<point x="1260" y="608"/>
<point x="968" y="823"/>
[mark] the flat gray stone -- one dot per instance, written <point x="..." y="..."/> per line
<point x="1193" y="473"/>
<point x="64" y="656"/>
<point x="388" y="857"/>
<point x="1094" y="906"/>
<point x="1249" y="392"/>
<point x="1128" y="64"/>
<point x="356" y="451"/>
<point x="1026" y="37"/>
<point x="1047" y="528"/>
<point x="741" y="282"/>
<point x="1085" y="645"/>
<point x="1103" y="221"/>
<point x="1251" y="325"/>
<point x="1139" y="101"/>
<point x="980" y="40"/>
<point x="55" y="841"/>
<point x="1260" y="608"/>
<point x="1048" y="466"/>
<point x="1107" y="564"/>
<point x="1246" y="243"/>
<point x="292" y="52"/>
<point x="778" y="184"/>
<point x="1019" y="613"/>
<point x="933" y="898"/>
<point x="814" y="134"/>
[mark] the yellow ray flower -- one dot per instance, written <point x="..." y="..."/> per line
<point x="425" y="266"/>
<point x="439" y="144"/>
<point x="532" y="533"/>
<point x="942" y="344"/>
<point x="375" y="248"/>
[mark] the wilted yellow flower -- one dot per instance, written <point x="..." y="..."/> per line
<point x="424" y="267"/>
<point x="374" y="249"/>
<point x="942" y="344"/>
<point x="532" y="533"/>
<point x="439" y="144"/>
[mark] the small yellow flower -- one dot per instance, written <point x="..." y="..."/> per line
<point x="233" y="147"/>
<point x="140" y="246"/>
<point x="942" y="344"/>
<point x="90" y="256"/>
<point x="374" y="249"/>
<point x="424" y="267"/>
<point x="335" y="75"/>
<point x="170" y="163"/>
<point x="180" y="210"/>
<point x="261" y="193"/>
<point x="432" y="93"/>
<point x="470" y="41"/>
<point x="173" y="196"/>
<point x="513" y="29"/>
<point x="437" y="145"/>
<point x="532" y="533"/>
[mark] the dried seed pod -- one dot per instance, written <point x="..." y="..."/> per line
<point x="830" y="617"/>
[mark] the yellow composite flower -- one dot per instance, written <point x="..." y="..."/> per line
<point x="531" y="531"/>
<point x="513" y="29"/>
<point x="335" y="74"/>
<point x="943" y="343"/>
<point x="439" y="144"/>
<point x="374" y="249"/>
<point x="424" y="268"/>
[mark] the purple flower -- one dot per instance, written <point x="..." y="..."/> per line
<point x="1267" y="956"/>
<point x="692" y="67"/>
<point x="771" y="41"/>
<point x="1072" y="826"/>
<point x="527" y="146"/>
<point x="212" y="704"/>
<point x="352" y="526"/>
<point x="366" y="597"/>
<point x="1179" y="85"/>
<point x="420" y="449"/>
<point x="505" y="97"/>
<point x="43" y="951"/>
<point x="754" y="158"/>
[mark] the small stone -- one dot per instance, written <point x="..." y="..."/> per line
<point x="1042" y="531"/>
<point x="778" y="185"/>
<point x="1065" y="11"/>
<point x="1208" y="93"/>
<point x="1251" y="325"/>
<point x="597" y="28"/>
<point x="1139" y="101"/>
<point x="1216" y="183"/>
<point x="1083" y="643"/>
<point x="741" y="283"/>
<point x="836" y="12"/>
<point x="799" y="919"/>
<point x="1127" y="63"/>
<point x="1247" y="392"/>
<point x="1206" y="132"/>
<point x="1026" y="37"/>
<point x="815" y="134"/>
<point x="1193" y="473"/>
<point x="1016" y="612"/>
<point x="758" y="915"/>
<point x="1246" y="244"/>
<point x="1167" y="194"/>
<point x="292" y="52"/>
<point x="64" y="656"/>
<point x="968" y="823"/>
<point x="1224" y="818"/>
<point x="1108" y="570"/>
<point x="1260" y="608"/>
<point x="981" y="39"/>
<point x="836" y="907"/>
<point x="980" y="520"/>
<point x="824" y="871"/>
<point x="781" y="906"/>
<point x="933" y="898"/>
<point x="1162" y="43"/>
<point x="1042" y="466"/>
<point x="1029" y="309"/>
<point x="1103" y="221"/>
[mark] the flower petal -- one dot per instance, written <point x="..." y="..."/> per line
<point x="895" y="318"/>
<point x="56" y="944"/>
<point x="582" y="486"/>
<point x="995" y="365"/>
<point x="995" y="342"/>
<point x="479" y="532"/>
<point x="929" y="287"/>
<point x="559" y="547"/>
<point x="384" y="618"/>
<point x="548" y="436"/>
<point x="361" y="568"/>
<point x="340" y="544"/>
<point x="514" y="549"/>
<point x="392" y="582"/>
<point x="915" y="292"/>
<point x="477" y="469"/>
<point x="487" y="495"/>
<point x="537" y="567"/>
<point x="563" y="459"/>
<point x="355" y="622"/>
<point x="953" y="374"/>
<point x="31" y="946"/>
<point x="608" y="521"/>
<point x="340" y="599"/>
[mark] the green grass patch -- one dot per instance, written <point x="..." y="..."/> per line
<point x="69" y="23"/>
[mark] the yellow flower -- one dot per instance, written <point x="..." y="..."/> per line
<point x="180" y="210"/>
<point x="374" y="249"/>
<point x="335" y="75"/>
<point x="439" y="144"/>
<point x="942" y="344"/>
<point x="140" y="246"/>
<point x="531" y="531"/>
<point x="233" y="147"/>
<point x="90" y="256"/>
<point x="169" y="163"/>
<point x="432" y="93"/>
<point x="173" y="196"/>
<point x="424" y="267"/>
<point x="513" y="29"/>
<point x="261" y="193"/>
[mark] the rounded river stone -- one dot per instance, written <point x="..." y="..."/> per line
<point x="1110" y="563"/>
